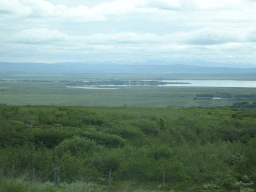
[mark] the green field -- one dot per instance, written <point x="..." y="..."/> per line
<point x="52" y="89"/>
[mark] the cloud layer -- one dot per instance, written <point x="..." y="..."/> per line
<point x="221" y="31"/>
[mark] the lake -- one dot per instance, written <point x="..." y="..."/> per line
<point x="211" y="83"/>
<point x="164" y="83"/>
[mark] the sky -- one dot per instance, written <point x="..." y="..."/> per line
<point x="219" y="32"/>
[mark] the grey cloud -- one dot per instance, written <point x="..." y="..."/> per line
<point x="251" y="37"/>
<point x="178" y="5"/>
<point x="163" y="6"/>
<point x="120" y="38"/>
<point x="207" y="37"/>
<point x="5" y="12"/>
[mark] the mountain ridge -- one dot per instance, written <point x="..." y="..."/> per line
<point x="133" y="68"/>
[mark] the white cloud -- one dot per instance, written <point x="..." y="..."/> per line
<point x="35" y="36"/>
<point x="42" y="8"/>
<point x="116" y="7"/>
<point x="39" y="7"/>
<point x="14" y="7"/>
<point x="204" y="37"/>
<point x="195" y="5"/>
<point x="80" y="13"/>
<point x="214" y="4"/>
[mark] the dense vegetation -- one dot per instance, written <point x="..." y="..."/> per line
<point x="211" y="146"/>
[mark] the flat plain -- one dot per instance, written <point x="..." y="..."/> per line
<point x="55" y="89"/>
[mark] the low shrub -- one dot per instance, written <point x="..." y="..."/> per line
<point x="111" y="141"/>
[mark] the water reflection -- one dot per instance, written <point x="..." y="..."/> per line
<point x="211" y="83"/>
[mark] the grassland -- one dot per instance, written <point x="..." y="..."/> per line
<point x="52" y="89"/>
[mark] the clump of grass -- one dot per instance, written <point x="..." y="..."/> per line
<point x="12" y="185"/>
<point x="82" y="186"/>
<point x="19" y="185"/>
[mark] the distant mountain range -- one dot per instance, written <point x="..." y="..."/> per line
<point x="134" y="68"/>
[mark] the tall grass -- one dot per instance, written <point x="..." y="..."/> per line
<point x="20" y="185"/>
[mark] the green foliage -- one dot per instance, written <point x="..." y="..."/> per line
<point x="104" y="139"/>
<point x="18" y="185"/>
<point x="76" y="146"/>
<point x="26" y="158"/>
<point x="73" y="168"/>
<point x="12" y="185"/>
<point x="222" y="179"/>
<point x="8" y="112"/>
<point x="107" y="160"/>
<point x="157" y="152"/>
<point x="247" y="133"/>
<point x="161" y="123"/>
<point x="147" y="127"/>
<point x="213" y="145"/>
<point x="49" y="137"/>
<point x="229" y="134"/>
<point x="69" y="117"/>
<point x="126" y="131"/>
<point x="14" y="133"/>
<point x="147" y="169"/>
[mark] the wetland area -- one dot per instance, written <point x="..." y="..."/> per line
<point x="119" y="90"/>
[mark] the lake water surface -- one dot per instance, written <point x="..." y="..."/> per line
<point x="211" y="83"/>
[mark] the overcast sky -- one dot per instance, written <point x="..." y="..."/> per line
<point x="221" y="31"/>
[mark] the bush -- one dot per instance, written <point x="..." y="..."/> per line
<point x="157" y="152"/>
<point x="107" y="160"/>
<point x="147" y="127"/>
<point x="26" y="158"/>
<point x="14" y="133"/>
<point x="75" y="169"/>
<point x="125" y="131"/>
<point x="8" y="112"/>
<point x="76" y="146"/>
<point x="161" y="123"/>
<point x="111" y="141"/>
<point x="229" y="134"/>
<point x="223" y="179"/>
<point x="50" y="137"/>
<point x="147" y="169"/>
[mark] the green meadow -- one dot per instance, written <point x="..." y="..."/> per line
<point x="54" y="89"/>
